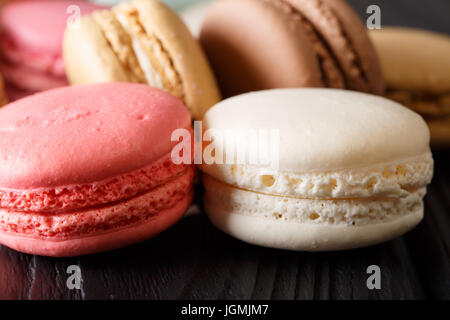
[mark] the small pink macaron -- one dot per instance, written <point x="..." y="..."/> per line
<point x="31" y="43"/>
<point x="86" y="169"/>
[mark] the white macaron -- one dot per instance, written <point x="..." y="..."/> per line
<point x="341" y="169"/>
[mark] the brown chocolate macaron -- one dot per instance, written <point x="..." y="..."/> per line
<point x="264" y="44"/>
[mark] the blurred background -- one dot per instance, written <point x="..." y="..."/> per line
<point x="176" y="4"/>
<point x="410" y="13"/>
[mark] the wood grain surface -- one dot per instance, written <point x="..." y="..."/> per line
<point x="193" y="260"/>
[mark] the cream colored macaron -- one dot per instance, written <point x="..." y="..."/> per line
<point x="341" y="169"/>
<point x="416" y="67"/>
<point x="141" y="41"/>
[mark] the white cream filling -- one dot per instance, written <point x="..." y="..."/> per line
<point x="152" y="76"/>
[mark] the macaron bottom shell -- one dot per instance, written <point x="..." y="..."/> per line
<point x="309" y="237"/>
<point x="98" y="229"/>
<point x="309" y="224"/>
<point x="98" y="243"/>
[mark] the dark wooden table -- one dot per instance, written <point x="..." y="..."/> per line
<point x="195" y="261"/>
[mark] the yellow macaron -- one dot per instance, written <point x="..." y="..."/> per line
<point x="416" y="67"/>
<point x="141" y="41"/>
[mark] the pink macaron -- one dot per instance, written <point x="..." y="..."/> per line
<point x="86" y="169"/>
<point x="31" y="43"/>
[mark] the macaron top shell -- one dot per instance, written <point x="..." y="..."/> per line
<point x="84" y="134"/>
<point x="325" y="129"/>
<point x="414" y="60"/>
<point x="42" y="23"/>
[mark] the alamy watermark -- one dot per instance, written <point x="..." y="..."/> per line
<point x="73" y="21"/>
<point x="374" y="280"/>
<point x="73" y="282"/>
<point x="374" y="20"/>
<point x="227" y="146"/>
